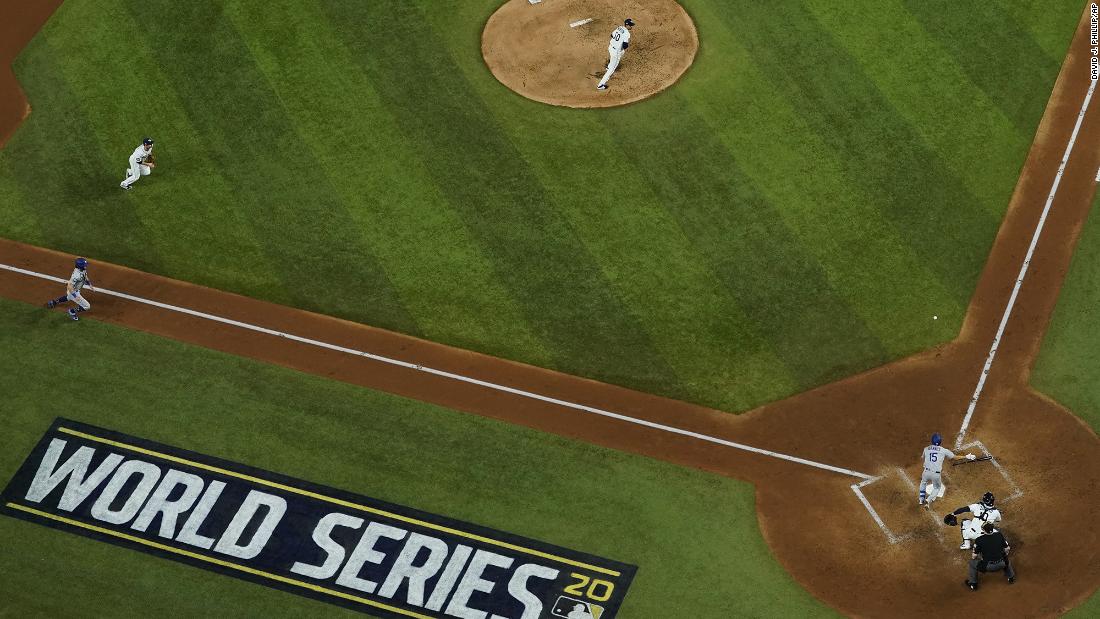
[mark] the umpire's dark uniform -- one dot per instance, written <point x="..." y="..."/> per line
<point x="990" y="555"/>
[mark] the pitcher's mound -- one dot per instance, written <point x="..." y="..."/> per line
<point x="532" y="49"/>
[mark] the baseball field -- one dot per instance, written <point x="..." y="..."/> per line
<point x="692" y="345"/>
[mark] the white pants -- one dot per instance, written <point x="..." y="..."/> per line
<point x="938" y="487"/>
<point x="136" y="171"/>
<point x="79" y="300"/>
<point x="972" y="529"/>
<point x="616" y="56"/>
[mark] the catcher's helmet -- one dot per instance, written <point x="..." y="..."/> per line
<point x="937" y="439"/>
<point x="628" y="22"/>
<point x="988" y="499"/>
<point x="81" y="263"/>
<point x="147" y="141"/>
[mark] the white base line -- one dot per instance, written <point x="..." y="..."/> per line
<point x="858" y="489"/>
<point x="932" y="514"/>
<point x="894" y="538"/>
<point x="1023" y="270"/>
<point x="1017" y="492"/>
<point x="457" y="377"/>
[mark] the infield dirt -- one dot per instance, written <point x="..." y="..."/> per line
<point x="874" y="423"/>
<point x="533" y="50"/>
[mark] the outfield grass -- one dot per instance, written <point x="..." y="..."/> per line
<point x="1068" y="367"/>
<point x="693" y="535"/>
<point x="797" y="209"/>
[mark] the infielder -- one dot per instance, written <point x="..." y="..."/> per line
<point x="76" y="283"/>
<point x="982" y="513"/>
<point x="141" y="163"/>
<point x="933" y="458"/>
<point x="620" y="40"/>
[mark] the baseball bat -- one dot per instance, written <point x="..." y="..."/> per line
<point x="980" y="459"/>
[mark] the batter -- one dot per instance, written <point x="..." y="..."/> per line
<point x="933" y="458"/>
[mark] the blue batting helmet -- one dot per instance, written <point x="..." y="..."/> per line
<point x="937" y="439"/>
<point x="147" y="141"/>
<point x="81" y="263"/>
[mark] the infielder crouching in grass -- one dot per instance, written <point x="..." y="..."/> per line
<point x="141" y="163"/>
<point x="76" y="283"/>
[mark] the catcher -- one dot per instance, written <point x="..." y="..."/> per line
<point x="982" y="512"/>
<point x="142" y="163"/>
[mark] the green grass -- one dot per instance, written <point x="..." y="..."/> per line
<point x="1068" y="367"/>
<point x="796" y="209"/>
<point x="693" y="535"/>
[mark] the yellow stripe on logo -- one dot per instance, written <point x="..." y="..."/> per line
<point x="349" y="504"/>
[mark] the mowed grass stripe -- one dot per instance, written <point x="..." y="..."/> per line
<point x="1050" y="24"/>
<point x="646" y="256"/>
<point x="996" y="51"/>
<point x="184" y="201"/>
<point x="746" y="242"/>
<point x="865" y="259"/>
<point x="957" y="121"/>
<point x="880" y="153"/>
<point x="567" y="300"/>
<point x="275" y="180"/>
<point x="339" y="115"/>
<point x="86" y="214"/>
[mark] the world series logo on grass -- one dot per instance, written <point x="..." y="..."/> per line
<point x="285" y="533"/>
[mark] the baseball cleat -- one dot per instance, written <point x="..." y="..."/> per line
<point x="51" y="304"/>
<point x="601" y="87"/>
<point x="1011" y="579"/>
<point x="972" y="585"/>
<point x="125" y="187"/>
<point x="72" y="314"/>
<point x="965" y="545"/>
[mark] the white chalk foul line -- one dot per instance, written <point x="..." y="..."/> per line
<point x="457" y="377"/>
<point x="1023" y="270"/>
<point x="1017" y="492"/>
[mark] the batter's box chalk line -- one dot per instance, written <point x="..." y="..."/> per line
<point x="895" y="538"/>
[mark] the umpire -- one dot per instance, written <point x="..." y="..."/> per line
<point x="990" y="554"/>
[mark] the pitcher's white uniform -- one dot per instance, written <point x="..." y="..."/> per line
<point x="933" y="458"/>
<point x="76" y="283"/>
<point x="137" y="167"/>
<point x="972" y="528"/>
<point x="620" y="40"/>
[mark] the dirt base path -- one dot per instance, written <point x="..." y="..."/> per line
<point x="21" y="21"/>
<point x="874" y="423"/>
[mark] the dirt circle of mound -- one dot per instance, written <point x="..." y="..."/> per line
<point x="533" y="49"/>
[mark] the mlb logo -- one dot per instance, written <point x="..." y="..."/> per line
<point x="569" y="608"/>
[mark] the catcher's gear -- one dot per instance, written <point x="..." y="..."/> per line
<point x="950" y="520"/>
<point x="988" y="499"/>
<point x="937" y="439"/>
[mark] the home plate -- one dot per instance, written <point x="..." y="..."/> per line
<point x="579" y="22"/>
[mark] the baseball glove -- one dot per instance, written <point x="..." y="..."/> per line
<point x="950" y="520"/>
